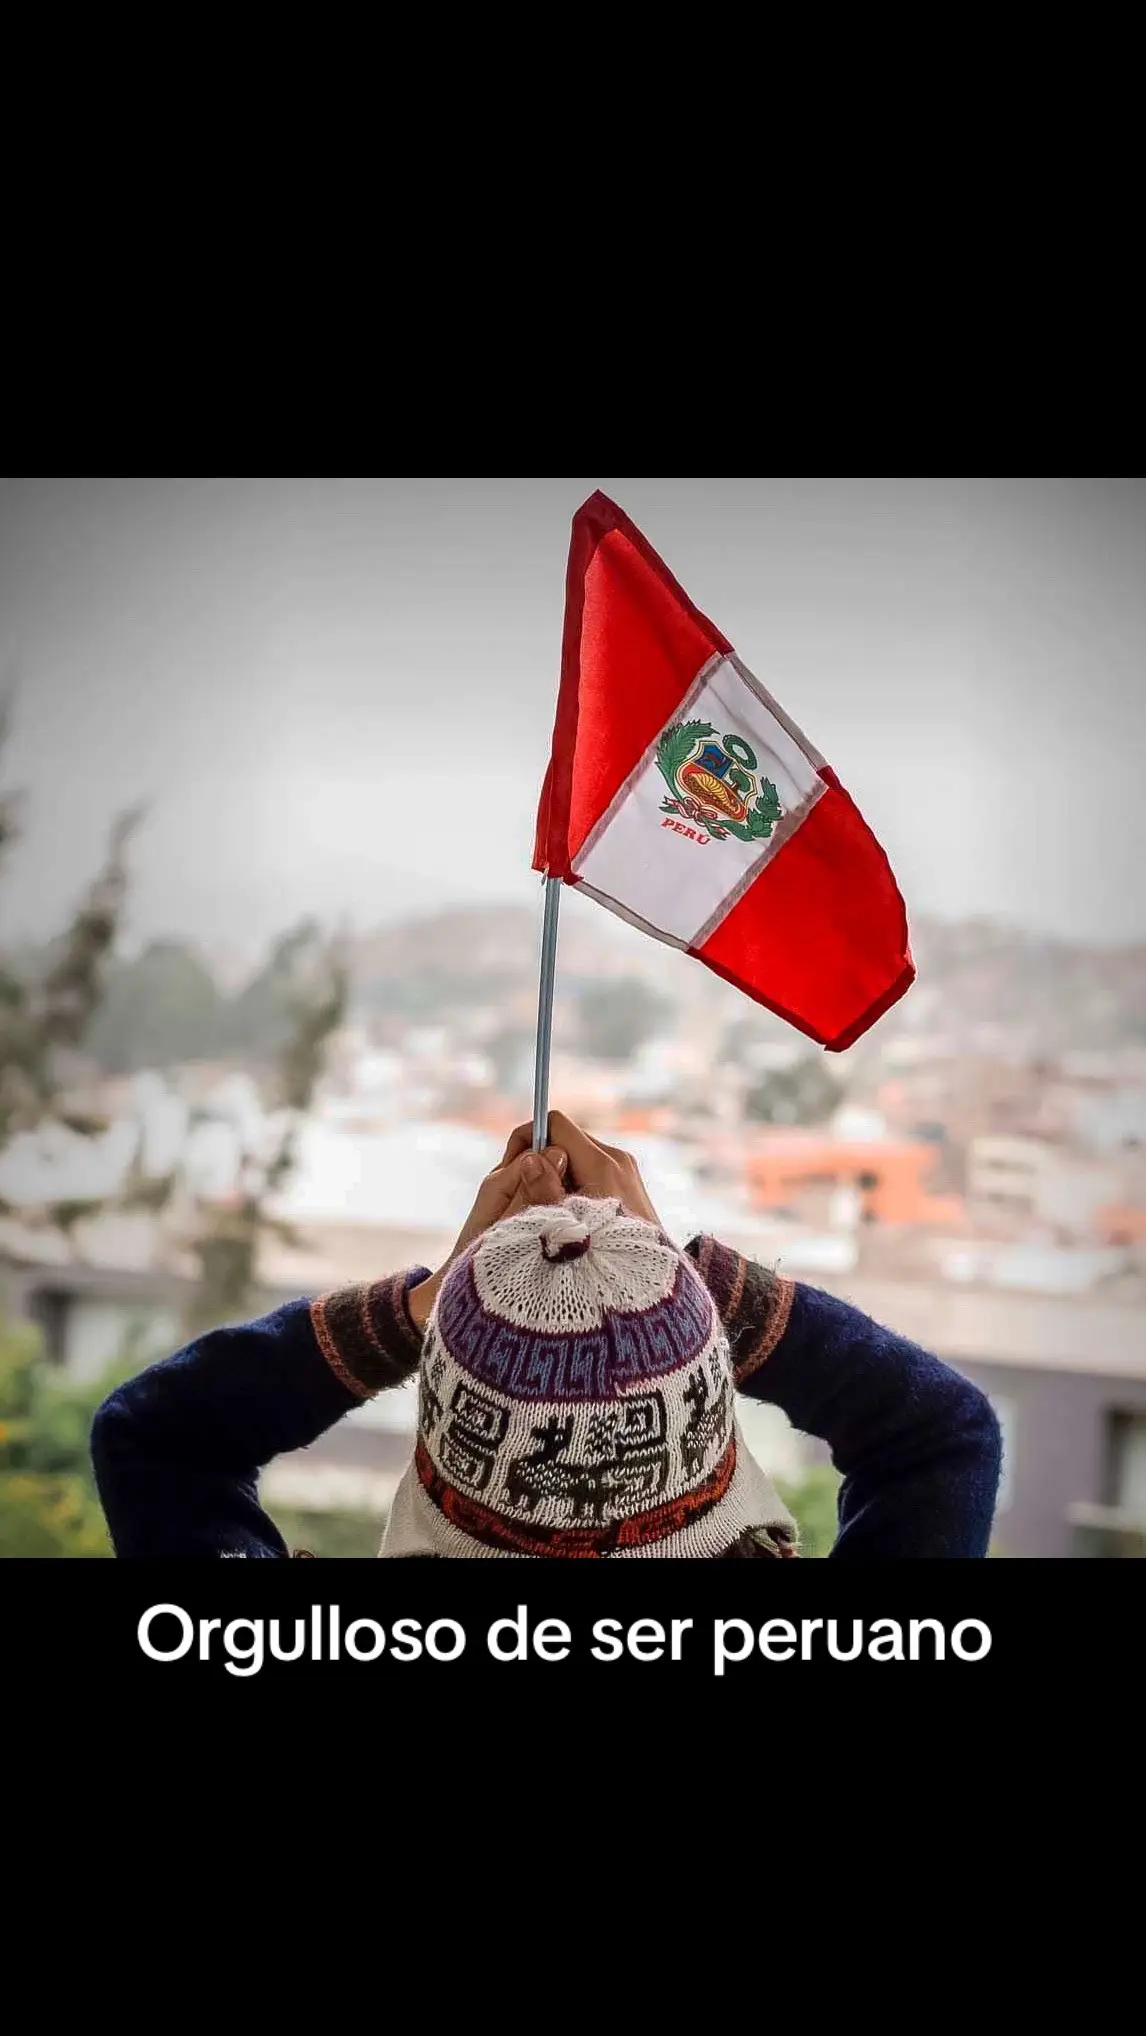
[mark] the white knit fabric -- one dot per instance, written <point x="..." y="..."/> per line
<point x="628" y="1266"/>
<point x="576" y="1385"/>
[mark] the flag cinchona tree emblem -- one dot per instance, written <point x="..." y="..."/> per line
<point x="714" y="782"/>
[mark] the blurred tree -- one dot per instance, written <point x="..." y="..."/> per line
<point x="47" y="1011"/>
<point x="165" y="1006"/>
<point x="804" y="1094"/>
<point x="48" y="1502"/>
<point x="49" y="1000"/>
<point x="618" y="1014"/>
<point x="161" y="1007"/>
<point x="259" y="1019"/>
<point x="309" y="981"/>
<point x="44" y="1022"/>
<point x="813" y="1502"/>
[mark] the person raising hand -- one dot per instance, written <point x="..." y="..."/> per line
<point x="522" y="1179"/>
<point x="578" y="1377"/>
<point x="603" y="1171"/>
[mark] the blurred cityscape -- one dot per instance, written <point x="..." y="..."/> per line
<point x="972" y="1173"/>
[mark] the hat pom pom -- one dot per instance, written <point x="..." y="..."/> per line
<point x="565" y="1241"/>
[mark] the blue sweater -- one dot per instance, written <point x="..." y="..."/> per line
<point x="177" y="1451"/>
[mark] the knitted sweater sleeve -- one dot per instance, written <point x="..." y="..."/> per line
<point x="918" y="1445"/>
<point x="177" y="1451"/>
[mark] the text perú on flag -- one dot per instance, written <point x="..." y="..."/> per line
<point x="680" y="795"/>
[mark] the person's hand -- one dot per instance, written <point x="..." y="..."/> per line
<point x="520" y="1180"/>
<point x="593" y="1169"/>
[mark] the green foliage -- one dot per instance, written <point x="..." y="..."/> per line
<point x="164" y="1006"/>
<point x="766" y="810"/>
<point x="804" y="1094"/>
<point x="65" y="1215"/>
<point x="676" y="746"/>
<point x="11" y="803"/>
<point x="48" y="1003"/>
<point x="762" y="815"/>
<point x="617" y="1015"/>
<point x="260" y="1020"/>
<point x="48" y="1502"/>
<point x="46" y="1516"/>
<point x="73" y="987"/>
<point x="814" y="1503"/>
<point x="311" y="988"/>
<point x="317" y="1010"/>
<point x="45" y="1015"/>
<point x="161" y="1007"/>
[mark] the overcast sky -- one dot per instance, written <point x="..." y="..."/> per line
<point x="337" y="695"/>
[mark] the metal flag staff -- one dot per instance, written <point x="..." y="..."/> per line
<point x="545" y="1013"/>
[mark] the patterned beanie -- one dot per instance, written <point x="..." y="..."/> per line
<point x="576" y="1399"/>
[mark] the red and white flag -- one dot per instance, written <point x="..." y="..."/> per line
<point x="680" y="795"/>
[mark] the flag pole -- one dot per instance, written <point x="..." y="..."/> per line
<point x="545" y="1013"/>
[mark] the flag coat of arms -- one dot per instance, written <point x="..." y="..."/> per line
<point x="680" y="795"/>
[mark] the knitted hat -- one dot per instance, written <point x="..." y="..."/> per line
<point x="576" y="1399"/>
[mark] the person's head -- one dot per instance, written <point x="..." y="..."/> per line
<point x="576" y="1398"/>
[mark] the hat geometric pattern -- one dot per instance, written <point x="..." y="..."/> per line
<point x="576" y="1398"/>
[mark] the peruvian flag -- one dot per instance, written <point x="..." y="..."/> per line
<point x="680" y="795"/>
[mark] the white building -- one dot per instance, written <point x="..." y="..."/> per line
<point x="1039" y="1183"/>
